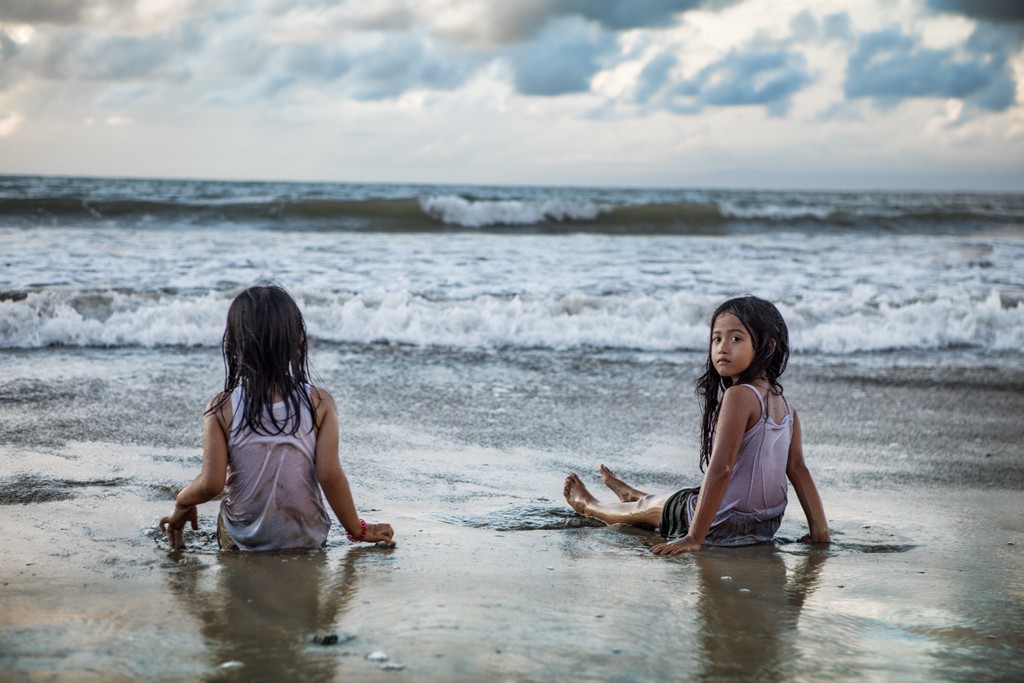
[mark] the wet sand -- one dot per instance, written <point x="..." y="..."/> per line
<point x="493" y="577"/>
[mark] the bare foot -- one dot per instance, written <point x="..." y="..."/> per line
<point x="576" y="494"/>
<point x="625" y="492"/>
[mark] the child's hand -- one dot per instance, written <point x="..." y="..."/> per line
<point x="378" y="533"/>
<point x="680" y="545"/>
<point x="174" y="525"/>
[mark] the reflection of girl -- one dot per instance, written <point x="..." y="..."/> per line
<point x="260" y="612"/>
<point x="749" y="608"/>
<point x="750" y="444"/>
<point x="272" y="438"/>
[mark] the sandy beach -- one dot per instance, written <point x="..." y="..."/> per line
<point x="493" y="577"/>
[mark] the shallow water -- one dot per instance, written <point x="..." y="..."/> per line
<point x="493" y="577"/>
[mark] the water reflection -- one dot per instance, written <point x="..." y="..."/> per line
<point x="748" y="610"/>
<point x="259" y="612"/>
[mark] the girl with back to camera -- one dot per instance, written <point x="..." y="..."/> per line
<point x="750" y="445"/>
<point x="271" y="438"/>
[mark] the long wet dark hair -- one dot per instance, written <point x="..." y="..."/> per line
<point x="265" y="352"/>
<point x="770" y="339"/>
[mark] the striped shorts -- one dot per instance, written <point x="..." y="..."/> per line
<point x="675" y="518"/>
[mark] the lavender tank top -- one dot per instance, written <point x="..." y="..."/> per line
<point x="755" y="499"/>
<point x="272" y="499"/>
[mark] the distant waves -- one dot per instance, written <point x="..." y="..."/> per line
<point x="191" y="204"/>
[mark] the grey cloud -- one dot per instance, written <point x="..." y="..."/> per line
<point x="43" y="12"/>
<point x="553" y="47"/>
<point x="618" y="15"/>
<point x="378" y="15"/>
<point x="889" y="66"/>
<point x="317" y="61"/>
<point x="764" y="78"/>
<point x="78" y="56"/>
<point x="1002" y="39"/>
<point x="119" y="98"/>
<point x="988" y="10"/>
<point x="516" y="21"/>
<point x="387" y="18"/>
<point x="838" y="26"/>
<point x="805" y="27"/>
<point x="8" y="53"/>
<point x="8" y="49"/>
<point x="121" y="58"/>
<point x="245" y="55"/>
<point x="387" y="70"/>
<point x="274" y="85"/>
<point x="401" y="64"/>
<point x="654" y="76"/>
<point x="561" y="61"/>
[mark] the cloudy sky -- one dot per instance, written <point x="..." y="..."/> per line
<point x="901" y="94"/>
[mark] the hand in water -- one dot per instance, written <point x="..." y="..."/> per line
<point x="174" y="525"/>
<point x="680" y="545"/>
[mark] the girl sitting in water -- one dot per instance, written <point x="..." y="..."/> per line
<point x="271" y="438"/>
<point x="750" y="444"/>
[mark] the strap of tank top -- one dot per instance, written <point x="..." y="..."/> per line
<point x="763" y="400"/>
<point x="760" y="399"/>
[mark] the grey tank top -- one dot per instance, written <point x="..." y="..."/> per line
<point x="272" y="499"/>
<point x="755" y="499"/>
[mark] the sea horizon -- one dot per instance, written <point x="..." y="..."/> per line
<point x="839" y="189"/>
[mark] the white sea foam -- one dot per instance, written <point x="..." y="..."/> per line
<point x="840" y="293"/>
<point x="660" y="322"/>
<point x="59" y="317"/>
<point x="455" y="210"/>
<point x="775" y="212"/>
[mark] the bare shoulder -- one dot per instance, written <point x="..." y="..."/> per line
<point x="741" y="404"/>
<point x="218" y="401"/>
<point x="219" y="408"/>
<point x="740" y="397"/>
<point x="323" y="401"/>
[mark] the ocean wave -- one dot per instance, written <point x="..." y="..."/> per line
<point x="655" y="322"/>
<point x="455" y="210"/>
<point x="156" y="204"/>
<point x="778" y="212"/>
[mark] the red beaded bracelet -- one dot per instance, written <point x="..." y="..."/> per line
<point x="362" y="532"/>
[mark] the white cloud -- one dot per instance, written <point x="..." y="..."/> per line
<point x="19" y="33"/>
<point x="9" y="123"/>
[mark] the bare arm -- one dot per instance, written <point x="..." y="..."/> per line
<point x="806" y="491"/>
<point x="210" y="481"/>
<point x="739" y="407"/>
<point x="332" y="478"/>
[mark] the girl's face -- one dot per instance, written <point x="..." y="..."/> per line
<point x="732" y="349"/>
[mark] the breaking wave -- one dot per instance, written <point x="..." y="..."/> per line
<point x="657" y="322"/>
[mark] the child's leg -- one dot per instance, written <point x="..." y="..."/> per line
<point x="645" y="512"/>
<point x="625" y="492"/>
